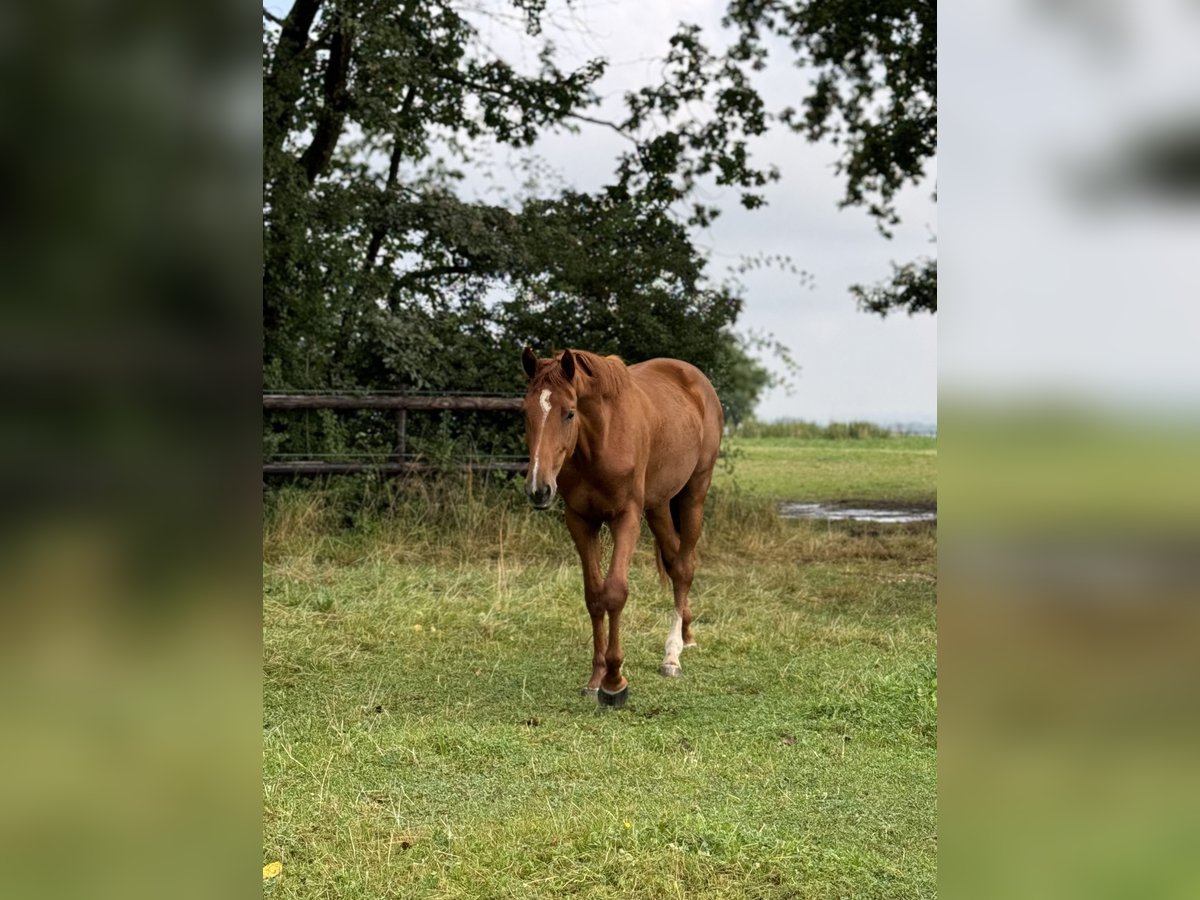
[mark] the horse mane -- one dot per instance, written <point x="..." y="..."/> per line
<point x="608" y="375"/>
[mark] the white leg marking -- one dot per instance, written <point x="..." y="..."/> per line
<point x="674" y="642"/>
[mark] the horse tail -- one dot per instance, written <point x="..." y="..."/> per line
<point x="660" y="559"/>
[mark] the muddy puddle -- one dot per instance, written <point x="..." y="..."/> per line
<point x="856" y="512"/>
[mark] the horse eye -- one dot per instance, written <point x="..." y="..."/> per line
<point x="570" y="414"/>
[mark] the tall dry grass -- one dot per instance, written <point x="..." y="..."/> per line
<point x="452" y="519"/>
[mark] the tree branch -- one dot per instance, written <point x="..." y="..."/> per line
<point x="284" y="82"/>
<point x="272" y="17"/>
<point x="433" y="272"/>
<point x="379" y="232"/>
<point x="336" y="101"/>
<point x="615" y="127"/>
<point x="409" y="278"/>
<point x="489" y="89"/>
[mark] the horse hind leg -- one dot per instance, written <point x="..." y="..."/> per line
<point x="666" y="537"/>
<point x="689" y="520"/>
<point x="677" y="553"/>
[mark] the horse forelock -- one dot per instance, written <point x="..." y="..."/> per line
<point x="606" y="376"/>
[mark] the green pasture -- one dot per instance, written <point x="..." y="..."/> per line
<point x="895" y="470"/>
<point x="424" y="736"/>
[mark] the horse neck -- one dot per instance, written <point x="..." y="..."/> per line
<point x="594" y="421"/>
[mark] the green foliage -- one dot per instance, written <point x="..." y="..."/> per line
<point x="913" y="288"/>
<point x="834" y="431"/>
<point x="742" y="379"/>
<point x="875" y="94"/>
<point x="378" y="275"/>
<point x="666" y="166"/>
<point x="875" y="97"/>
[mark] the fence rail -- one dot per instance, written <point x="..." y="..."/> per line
<point x="390" y="401"/>
<point x="307" y="467"/>
<point x="400" y="404"/>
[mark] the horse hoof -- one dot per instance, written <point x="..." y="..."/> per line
<point x="616" y="701"/>
<point x="670" y="670"/>
<point x="588" y="691"/>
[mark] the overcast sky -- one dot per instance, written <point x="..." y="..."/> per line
<point x="1057" y="289"/>
<point x="854" y="365"/>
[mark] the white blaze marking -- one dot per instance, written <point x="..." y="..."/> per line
<point x="674" y="642"/>
<point x="544" y="403"/>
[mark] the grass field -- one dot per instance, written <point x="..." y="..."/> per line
<point x="423" y="732"/>
<point x="896" y="470"/>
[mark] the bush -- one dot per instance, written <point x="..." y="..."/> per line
<point x="795" y="429"/>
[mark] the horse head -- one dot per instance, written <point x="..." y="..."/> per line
<point x="551" y="428"/>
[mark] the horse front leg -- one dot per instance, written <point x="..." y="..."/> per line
<point x="614" y="689"/>
<point x="587" y="541"/>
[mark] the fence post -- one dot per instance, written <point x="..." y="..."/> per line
<point x="401" y="425"/>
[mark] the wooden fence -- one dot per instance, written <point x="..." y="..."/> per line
<point x="401" y="404"/>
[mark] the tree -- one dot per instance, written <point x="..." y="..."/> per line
<point x="378" y="274"/>
<point x="913" y="287"/>
<point x="361" y="223"/>
<point x="875" y="96"/>
<point x="743" y="379"/>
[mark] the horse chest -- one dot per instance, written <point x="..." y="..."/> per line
<point x="601" y="493"/>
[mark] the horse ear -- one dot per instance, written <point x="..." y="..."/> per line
<point x="568" y="364"/>
<point x="529" y="362"/>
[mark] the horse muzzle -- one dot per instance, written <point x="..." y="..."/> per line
<point x="540" y="497"/>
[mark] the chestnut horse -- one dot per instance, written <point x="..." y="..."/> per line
<point x="618" y="442"/>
